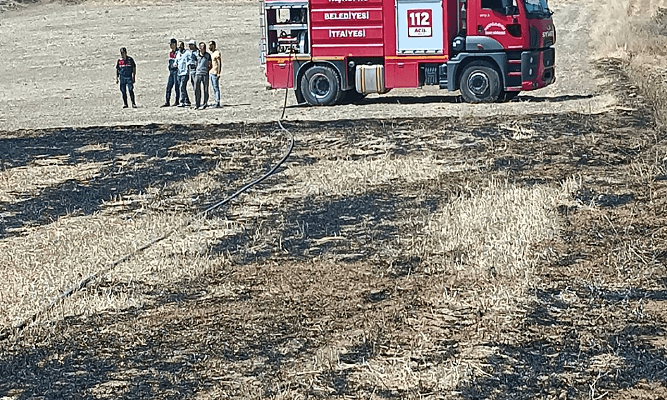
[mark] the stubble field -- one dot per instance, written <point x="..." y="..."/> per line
<point x="411" y="246"/>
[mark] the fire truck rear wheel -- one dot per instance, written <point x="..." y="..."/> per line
<point x="480" y="83"/>
<point x="320" y="86"/>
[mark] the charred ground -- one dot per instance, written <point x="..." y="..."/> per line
<point x="316" y="291"/>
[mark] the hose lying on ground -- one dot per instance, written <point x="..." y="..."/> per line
<point x="7" y="332"/>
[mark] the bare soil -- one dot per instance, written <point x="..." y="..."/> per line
<point x="328" y="285"/>
<point x="64" y="74"/>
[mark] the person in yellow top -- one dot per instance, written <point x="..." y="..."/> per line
<point x="216" y="68"/>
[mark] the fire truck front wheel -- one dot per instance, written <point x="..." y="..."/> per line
<point x="320" y="86"/>
<point x="480" y="83"/>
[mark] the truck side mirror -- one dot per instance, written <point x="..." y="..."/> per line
<point x="511" y="10"/>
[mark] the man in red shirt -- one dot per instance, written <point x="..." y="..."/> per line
<point x="126" y="73"/>
<point x="173" y="75"/>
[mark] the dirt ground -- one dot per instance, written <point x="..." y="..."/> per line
<point x="63" y="75"/>
<point x="411" y="247"/>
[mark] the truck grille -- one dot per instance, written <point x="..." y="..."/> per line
<point x="548" y="42"/>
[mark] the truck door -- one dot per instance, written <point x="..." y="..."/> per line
<point x="491" y="19"/>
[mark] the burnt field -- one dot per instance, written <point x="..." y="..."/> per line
<point x="435" y="257"/>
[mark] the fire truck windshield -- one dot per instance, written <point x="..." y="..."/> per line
<point x="537" y="8"/>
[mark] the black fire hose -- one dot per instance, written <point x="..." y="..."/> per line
<point x="7" y="332"/>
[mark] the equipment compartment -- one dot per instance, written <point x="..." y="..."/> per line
<point x="285" y="28"/>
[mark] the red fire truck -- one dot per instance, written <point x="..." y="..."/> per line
<point x="332" y="51"/>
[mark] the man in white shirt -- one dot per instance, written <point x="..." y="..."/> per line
<point x="183" y="74"/>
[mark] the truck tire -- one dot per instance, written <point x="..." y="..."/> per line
<point x="320" y="86"/>
<point x="480" y="83"/>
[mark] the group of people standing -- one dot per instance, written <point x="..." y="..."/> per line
<point x="195" y="65"/>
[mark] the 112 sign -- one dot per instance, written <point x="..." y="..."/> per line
<point x="420" y="23"/>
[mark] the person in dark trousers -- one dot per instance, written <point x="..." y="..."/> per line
<point x="201" y="76"/>
<point x="126" y="74"/>
<point x="172" y="82"/>
<point x="192" y="55"/>
<point x="187" y="62"/>
<point x="183" y="74"/>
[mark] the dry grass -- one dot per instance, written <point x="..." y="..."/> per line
<point x="415" y="259"/>
<point x="41" y="265"/>
<point x="629" y="28"/>
<point x="636" y="31"/>
<point x="648" y="72"/>
<point x="41" y="262"/>
<point x="410" y="273"/>
<point x="25" y="182"/>
<point x="494" y="230"/>
<point x="486" y="235"/>
<point x="342" y="177"/>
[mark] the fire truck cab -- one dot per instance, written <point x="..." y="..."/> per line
<point x="331" y="51"/>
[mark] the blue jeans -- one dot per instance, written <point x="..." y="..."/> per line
<point x="126" y="83"/>
<point x="201" y="81"/>
<point x="183" y="82"/>
<point x="173" y="83"/>
<point x="215" y="82"/>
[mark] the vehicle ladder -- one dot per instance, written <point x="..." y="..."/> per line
<point x="263" y="50"/>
